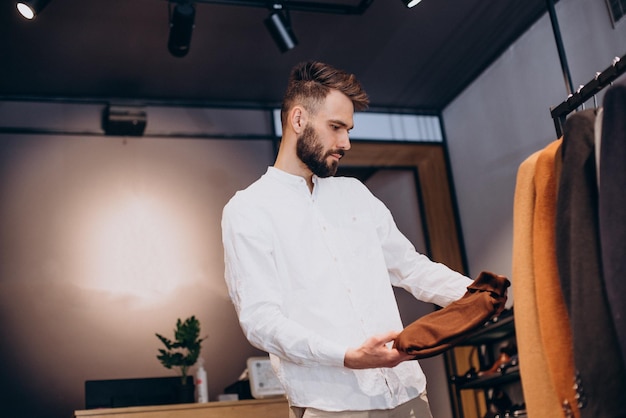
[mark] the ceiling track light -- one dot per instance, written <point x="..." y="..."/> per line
<point x="279" y="26"/>
<point x="411" y="3"/>
<point x="181" y="27"/>
<point x="31" y="8"/>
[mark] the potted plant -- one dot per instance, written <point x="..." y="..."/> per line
<point x="184" y="350"/>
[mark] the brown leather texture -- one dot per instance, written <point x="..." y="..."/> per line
<point x="440" y="330"/>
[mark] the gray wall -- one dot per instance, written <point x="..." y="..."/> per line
<point x="504" y="116"/>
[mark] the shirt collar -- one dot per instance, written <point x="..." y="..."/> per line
<point x="290" y="179"/>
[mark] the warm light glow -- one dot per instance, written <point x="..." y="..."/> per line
<point x="25" y="10"/>
<point x="138" y="247"/>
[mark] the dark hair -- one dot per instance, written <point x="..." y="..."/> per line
<point x="310" y="82"/>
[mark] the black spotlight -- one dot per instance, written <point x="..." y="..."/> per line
<point x="280" y="29"/>
<point x="31" y="8"/>
<point x="181" y="27"/>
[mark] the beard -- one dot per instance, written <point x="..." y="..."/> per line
<point x="311" y="152"/>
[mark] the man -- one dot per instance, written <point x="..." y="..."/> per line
<point x="311" y="260"/>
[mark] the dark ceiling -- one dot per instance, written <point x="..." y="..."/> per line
<point x="407" y="59"/>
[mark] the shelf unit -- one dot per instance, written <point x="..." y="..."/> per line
<point x="470" y="396"/>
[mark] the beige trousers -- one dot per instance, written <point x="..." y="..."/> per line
<point x="415" y="408"/>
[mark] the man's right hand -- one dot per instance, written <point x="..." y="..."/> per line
<point x="375" y="352"/>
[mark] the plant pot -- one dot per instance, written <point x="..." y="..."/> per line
<point x="186" y="393"/>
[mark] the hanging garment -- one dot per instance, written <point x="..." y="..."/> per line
<point x="539" y="393"/>
<point x="597" y="141"/>
<point x="601" y="371"/>
<point x="554" y="326"/>
<point x="439" y="331"/>
<point x="612" y="207"/>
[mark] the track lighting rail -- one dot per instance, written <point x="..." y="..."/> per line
<point x="182" y="17"/>
<point x="299" y="6"/>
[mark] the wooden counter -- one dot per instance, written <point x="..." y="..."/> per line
<point x="257" y="408"/>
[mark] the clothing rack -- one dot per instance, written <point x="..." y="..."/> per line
<point x="586" y="92"/>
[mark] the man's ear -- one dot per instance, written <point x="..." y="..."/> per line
<point x="297" y="119"/>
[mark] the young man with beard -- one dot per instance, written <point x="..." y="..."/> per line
<point x="311" y="260"/>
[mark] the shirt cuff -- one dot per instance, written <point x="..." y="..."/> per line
<point x="334" y="354"/>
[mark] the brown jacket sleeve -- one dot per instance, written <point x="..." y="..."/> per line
<point x="440" y="330"/>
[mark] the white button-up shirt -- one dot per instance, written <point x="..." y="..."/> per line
<point x="311" y="274"/>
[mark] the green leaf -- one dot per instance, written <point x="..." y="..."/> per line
<point x="184" y="350"/>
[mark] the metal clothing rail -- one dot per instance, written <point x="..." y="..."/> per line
<point x="586" y="92"/>
<point x="559" y="46"/>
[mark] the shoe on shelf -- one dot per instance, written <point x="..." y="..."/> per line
<point x="507" y="352"/>
<point x="502" y="359"/>
<point x="505" y="367"/>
